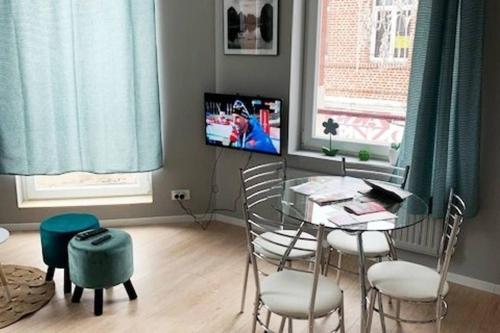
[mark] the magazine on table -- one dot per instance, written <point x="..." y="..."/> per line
<point x="337" y="185"/>
<point x="307" y="188"/>
<point x="343" y="218"/>
<point x="331" y="197"/>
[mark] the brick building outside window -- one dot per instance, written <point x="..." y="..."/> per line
<point x="364" y="63"/>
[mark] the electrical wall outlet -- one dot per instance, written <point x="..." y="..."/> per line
<point x="180" y="195"/>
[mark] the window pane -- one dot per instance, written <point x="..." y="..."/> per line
<point x="402" y="39"/>
<point x="366" y="97"/>
<point x="384" y="2"/>
<point x="383" y="33"/>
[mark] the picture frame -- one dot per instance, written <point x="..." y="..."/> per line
<point x="251" y="27"/>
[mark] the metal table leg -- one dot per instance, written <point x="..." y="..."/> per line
<point x="362" y="282"/>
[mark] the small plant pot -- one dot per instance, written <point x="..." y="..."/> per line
<point x="329" y="152"/>
<point x="393" y="156"/>
<point x="364" y="155"/>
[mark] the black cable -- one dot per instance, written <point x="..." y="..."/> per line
<point x="190" y="213"/>
<point x="240" y="192"/>
<point x="214" y="189"/>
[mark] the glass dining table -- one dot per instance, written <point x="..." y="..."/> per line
<point x="297" y="203"/>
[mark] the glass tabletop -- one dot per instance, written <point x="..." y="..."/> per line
<point x="296" y="203"/>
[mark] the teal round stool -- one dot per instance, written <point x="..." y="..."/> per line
<point x="55" y="234"/>
<point x="99" y="262"/>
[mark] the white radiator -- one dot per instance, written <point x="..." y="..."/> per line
<point x="422" y="238"/>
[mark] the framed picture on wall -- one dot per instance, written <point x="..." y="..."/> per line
<point x="251" y="27"/>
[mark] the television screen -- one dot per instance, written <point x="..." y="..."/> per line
<point x="242" y="122"/>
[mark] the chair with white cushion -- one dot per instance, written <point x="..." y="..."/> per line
<point x="376" y="244"/>
<point x="261" y="184"/>
<point x="413" y="283"/>
<point x="296" y="293"/>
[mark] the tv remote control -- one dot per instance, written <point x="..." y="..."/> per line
<point x="90" y="233"/>
<point x="101" y="240"/>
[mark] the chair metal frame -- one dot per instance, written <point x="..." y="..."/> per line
<point x="258" y="191"/>
<point x="451" y="229"/>
<point x="255" y="228"/>
<point x="391" y="175"/>
<point x="260" y="184"/>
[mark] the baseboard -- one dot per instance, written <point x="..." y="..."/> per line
<point x="124" y="222"/>
<point x="230" y="220"/>
<point x="452" y="277"/>
<point x="474" y="283"/>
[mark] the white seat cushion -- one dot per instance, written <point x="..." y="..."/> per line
<point x="374" y="243"/>
<point x="274" y="251"/>
<point x="288" y="293"/>
<point x="406" y="280"/>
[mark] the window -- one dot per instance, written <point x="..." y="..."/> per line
<point x="83" y="189"/>
<point x="357" y="72"/>
<point x="391" y="30"/>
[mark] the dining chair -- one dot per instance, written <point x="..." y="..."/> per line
<point x="376" y="244"/>
<point x="414" y="283"/>
<point x="261" y="184"/>
<point x="293" y="293"/>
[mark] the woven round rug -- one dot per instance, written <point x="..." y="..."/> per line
<point x="29" y="293"/>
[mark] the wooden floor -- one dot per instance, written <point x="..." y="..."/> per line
<point x="189" y="280"/>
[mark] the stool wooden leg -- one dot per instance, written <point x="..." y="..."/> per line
<point x="77" y="294"/>
<point x="67" y="281"/>
<point x="50" y="273"/>
<point x="98" y="302"/>
<point x="130" y="290"/>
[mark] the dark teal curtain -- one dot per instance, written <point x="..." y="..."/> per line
<point x="441" y="140"/>
<point x="78" y="87"/>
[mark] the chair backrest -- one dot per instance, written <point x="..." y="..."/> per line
<point x="260" y="184"/>
<point x="451" y="229"/>
<point x="389" y="174"/>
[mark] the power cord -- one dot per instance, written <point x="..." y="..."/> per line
<point x="240" y="192"/>
<point x="202" y="221"/>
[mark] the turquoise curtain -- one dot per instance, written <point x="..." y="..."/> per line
<point x="78" y="87"/>
<point x="441" y="140"/>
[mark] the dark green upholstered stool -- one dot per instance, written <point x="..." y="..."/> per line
<point x="101" y="266"/>
<point x="55" y="233"/>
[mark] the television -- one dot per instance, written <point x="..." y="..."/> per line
<point x="243" y="122"/>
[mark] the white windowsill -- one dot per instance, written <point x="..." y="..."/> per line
<point x="85" y="202"/>
<point x="317" y="161"/>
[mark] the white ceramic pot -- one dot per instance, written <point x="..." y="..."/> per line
<point x="393" y="156"/>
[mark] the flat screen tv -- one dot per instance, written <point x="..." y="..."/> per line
<point x="242" y="122"/>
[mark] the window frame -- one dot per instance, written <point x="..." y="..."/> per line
<point x="308" y="73"/>
<point x="28" y="196"/>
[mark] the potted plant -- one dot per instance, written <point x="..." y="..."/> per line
<point x="394" y="153"/>
<point x="331" y="129"/>
<point x="364" y="155"/>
